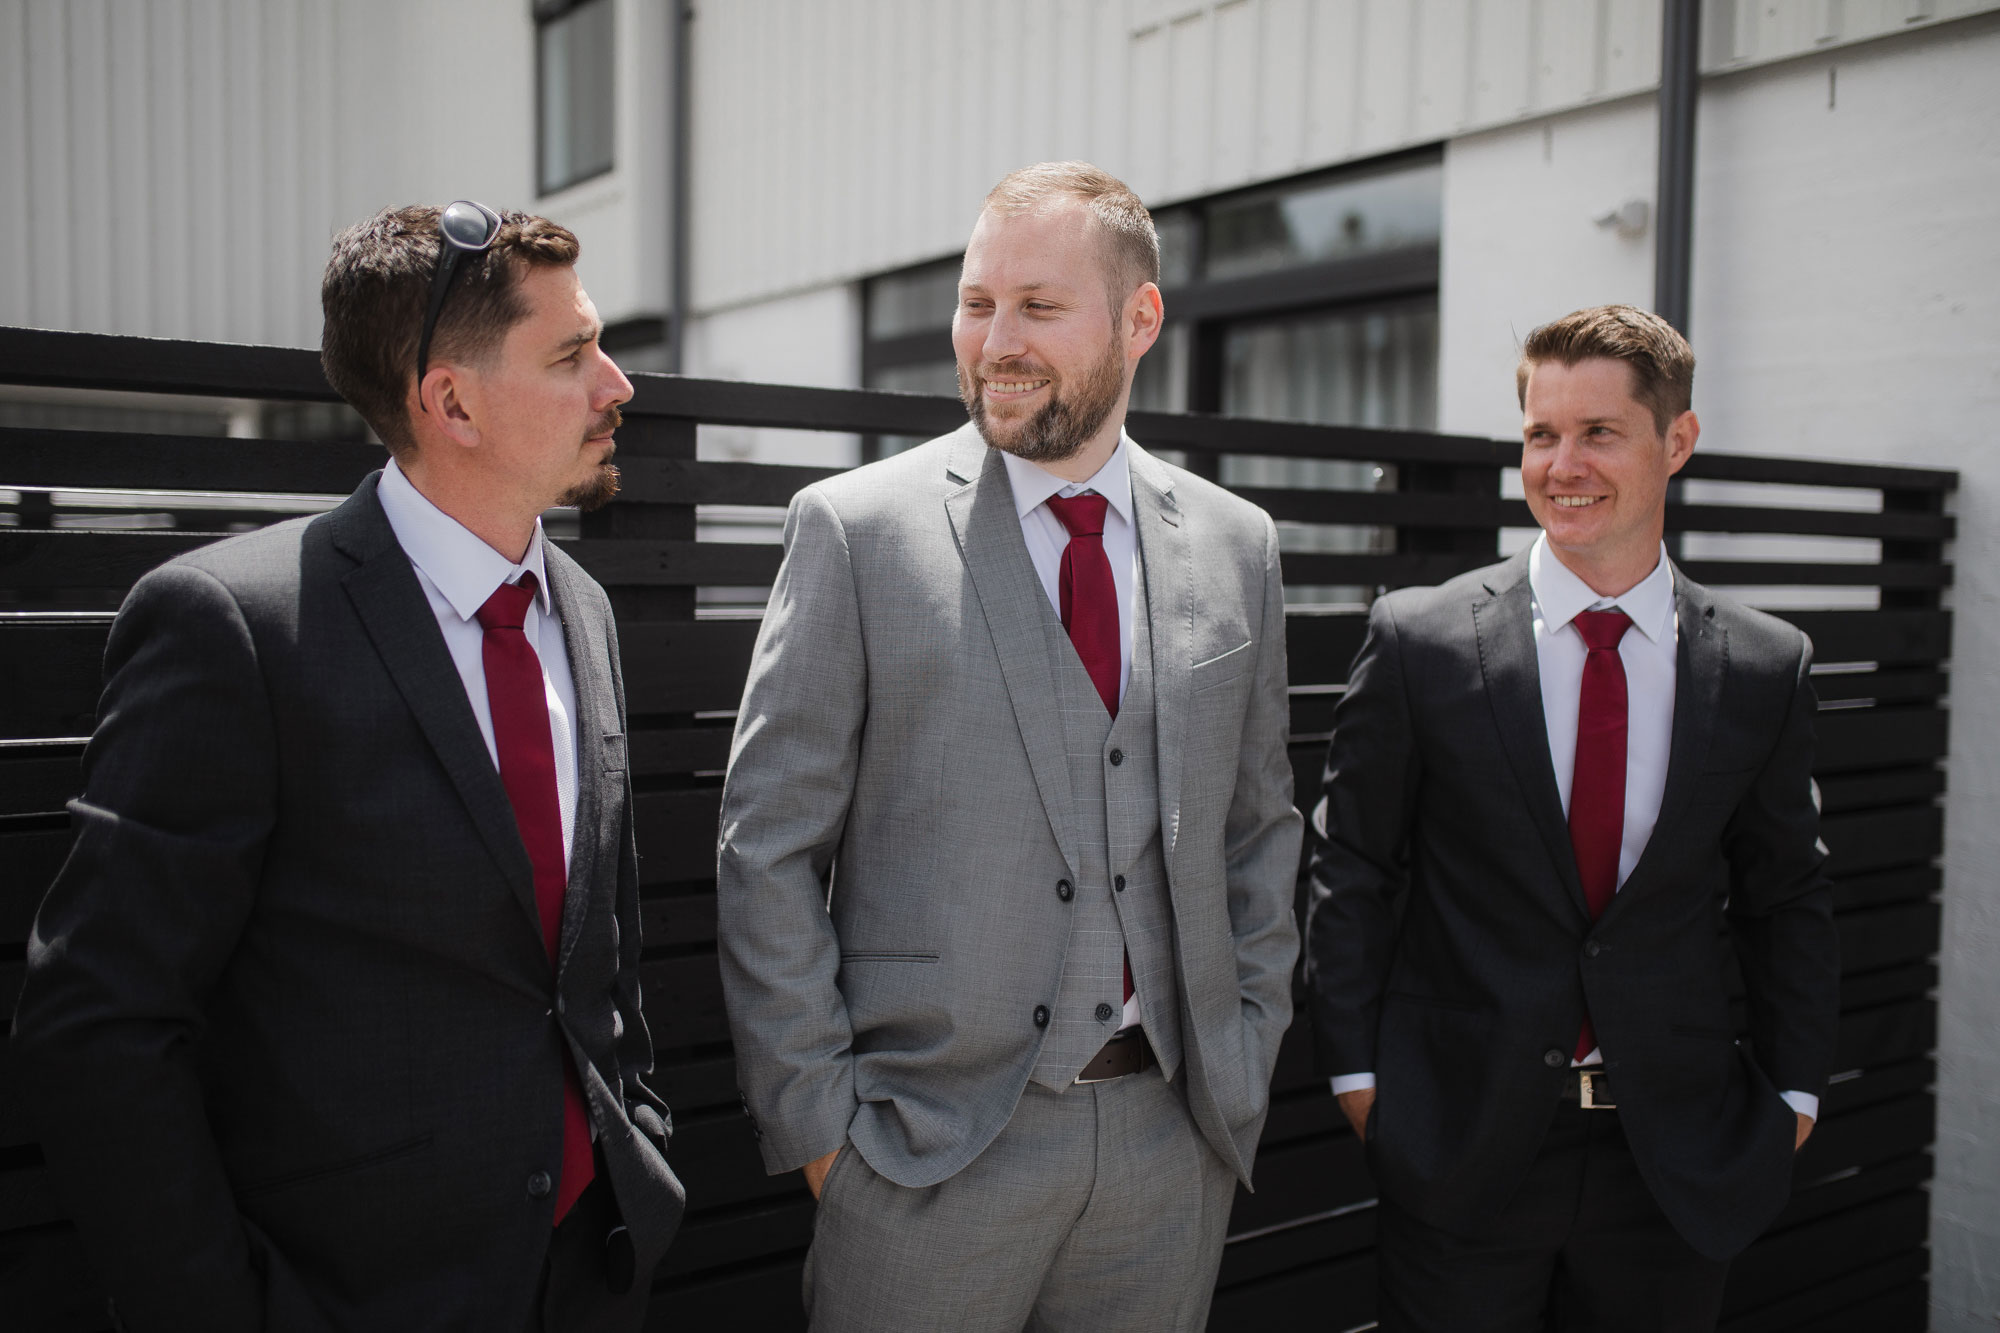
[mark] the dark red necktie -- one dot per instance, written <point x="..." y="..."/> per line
<point x="1090" y="604"/>
<point x="516" y="697"/>
<point x="1597" y="787"/>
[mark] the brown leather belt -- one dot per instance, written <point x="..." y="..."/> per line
<point x="1127" y="1053"/>
<point x="1589" y="1088"/>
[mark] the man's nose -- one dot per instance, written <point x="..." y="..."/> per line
<point x="616" y="388"/>
<point x="1003" y="337"/>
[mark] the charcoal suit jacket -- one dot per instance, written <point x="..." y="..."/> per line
<point x="1451" y="952"/>
<point x="289" y="1021"/>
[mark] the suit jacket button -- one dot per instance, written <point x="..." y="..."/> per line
<point x="1117" y="758"/>
<point x="1104" y="1012"/>
<point x="1554" y="1059"/>
<point x="1592" y="949"/>
<point x="1065" y="890"/>
<point x="1119" y="884"/>
<point x="539" y="1185"/>
<point x="1041" y="1015"/>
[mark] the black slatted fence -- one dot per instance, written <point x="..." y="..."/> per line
<point x="1847" y="1254"/>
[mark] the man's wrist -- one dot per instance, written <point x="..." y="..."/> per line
<point x="1804" y="1103"/>
<point x="1346" y="1083"/>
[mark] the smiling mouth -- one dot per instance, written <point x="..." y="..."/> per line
<point x="1575" y="501"/>
<point x="1013" y="388"/>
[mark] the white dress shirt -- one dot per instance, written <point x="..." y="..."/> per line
<point x="458" y="572"/>
<point x="1649" y="653"/>
<point x="1046" y="538"/>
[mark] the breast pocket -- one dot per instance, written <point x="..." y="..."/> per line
<point x="1223" y="667"/>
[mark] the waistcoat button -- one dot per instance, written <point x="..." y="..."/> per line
<point x="1117" y="758"/>
<point x="1065" y="890"/>
<point x="1554" y="1059"/>
<point x="1104" y="1012"/>
<point x="1041" y="1015"/>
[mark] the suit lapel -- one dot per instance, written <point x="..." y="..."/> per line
<point x="1168" y="558"/>
<point x="399" y="622"/>
<point x="1701" y="661"/>
<point x="596" y="717"/>
<point x="988" y="532"/>
<point x="1504" y="623"/>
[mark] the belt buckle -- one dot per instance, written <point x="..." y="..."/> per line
<point x="1588" y="1078"/>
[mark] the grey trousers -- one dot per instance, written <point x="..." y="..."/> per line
<point x="1100" y="1209"/>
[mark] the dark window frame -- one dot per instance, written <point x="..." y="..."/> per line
<point x="544" y="13"/>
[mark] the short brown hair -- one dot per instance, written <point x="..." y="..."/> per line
<point x="1132" y="245"/>
<point x="1661" y="360"/>
<point x="378" y="283"/>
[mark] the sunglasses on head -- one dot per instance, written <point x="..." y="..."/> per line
<point x="464" y="228"/>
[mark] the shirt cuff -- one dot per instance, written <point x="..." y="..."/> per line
<point x="1345" y="1083"/>
<point x="1804" y="1103"/>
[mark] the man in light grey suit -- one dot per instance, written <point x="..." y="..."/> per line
<point x="1007" y="845"/>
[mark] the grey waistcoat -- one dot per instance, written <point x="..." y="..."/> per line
<point x="1118" y="830"/>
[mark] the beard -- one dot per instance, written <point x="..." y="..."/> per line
<point x="595" y="491"/>
<point x="1064" y="425"/>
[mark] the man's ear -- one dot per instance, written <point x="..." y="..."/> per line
<point x="450" y="397"/>
<point x="1144" y="316"/>
<point x="1681" y="435"/>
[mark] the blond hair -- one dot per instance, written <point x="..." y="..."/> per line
<point x="1132" y="246"/>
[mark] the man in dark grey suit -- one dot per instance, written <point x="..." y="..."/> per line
<point x="332" y="1018"/>
<point x="1555" y="786"/>
<point x="1008" y="847"/>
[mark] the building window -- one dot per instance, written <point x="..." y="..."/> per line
<point x="573" y="78"/>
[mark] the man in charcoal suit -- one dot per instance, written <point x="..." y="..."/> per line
<point x="1554" y="786"/>
<point x="1007" y="844"/>
<point x="332" y="1018"/>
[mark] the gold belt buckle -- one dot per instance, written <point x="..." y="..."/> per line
<point x="1589" y="1079"/>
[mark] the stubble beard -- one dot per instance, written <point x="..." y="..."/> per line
<point x="595" y="491"/>
<point x="1059" y="430"/>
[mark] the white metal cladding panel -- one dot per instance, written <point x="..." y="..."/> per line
<point x="837" y="138"/>
<point x="176" y="168"/>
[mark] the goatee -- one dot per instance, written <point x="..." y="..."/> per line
<point x="1064" y="425"/>
<point x="596" y="490"/>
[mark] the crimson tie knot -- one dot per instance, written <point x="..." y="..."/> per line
<point x="1080" y="515"/>
<point x="1602" y="629"/>
<point x="507" y="608"/>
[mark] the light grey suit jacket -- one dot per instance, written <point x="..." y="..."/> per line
<point x="898" y="812"/>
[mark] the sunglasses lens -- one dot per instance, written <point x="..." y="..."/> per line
<point x="466" y="226"/>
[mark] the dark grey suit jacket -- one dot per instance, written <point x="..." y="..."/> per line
<point x="289" y="1022"/>
<point x="1450" y="950"/>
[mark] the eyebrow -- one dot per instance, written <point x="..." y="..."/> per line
<point x="579" y="338"/>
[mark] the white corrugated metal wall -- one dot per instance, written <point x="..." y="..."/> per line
<point x="836" y="138"/>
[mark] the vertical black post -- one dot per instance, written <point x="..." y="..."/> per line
<point x="1673" y="236"/>
<point x="678" y="172"/>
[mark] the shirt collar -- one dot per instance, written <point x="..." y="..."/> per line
<point x="1034" y="484"/>
<point x="461" y="566"/>
<point x="1560" y="594"/>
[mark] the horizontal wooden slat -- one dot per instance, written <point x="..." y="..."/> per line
<point x="1864" y="738"/>
<point x="1713" y="465"/>
<point x="1889" y="637"/>
<point x="683" y="1001"/>
<point x="783" y="1225"/>
<point x="51" y="672"/>
<point x="675" y="831"/>
<point x="1888" y="935"/>
<point x="32" y="859"/>
<point x="1809" y="522"/>
<point x="35" y="780"/>
<point x="717" y="1159"/>
<point x="72" y="559"/>
<point x="1893" y="686"/>
<point x="1877" y="839"/>
<point x="1320" y="648"/>
<point x="1856" y="1088"/>
<point x="1368" y="570"/>
<point x="697" y="749"/>
<point x="1338" y="1288"/>
<point x="764" y="1297"/>
<point x="669" y="563"/>
<point x="1820" y="1251"/>
<point x="1824" y="1306"/>
<point x="1843" y="792"/>
<point x="1868" y="1136"/>
<point x="110" y="460"/>
<point x="685" y="666"/>
<point x="686" y="481"/>
<point x="1880" y="887"/>
<point x="160" y="365"/>
<point x="1254" y="1256"/>
<point x="1886" y="1034"/>
<point x="1816" y="574"/>
<point x="1860" y="991"/>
